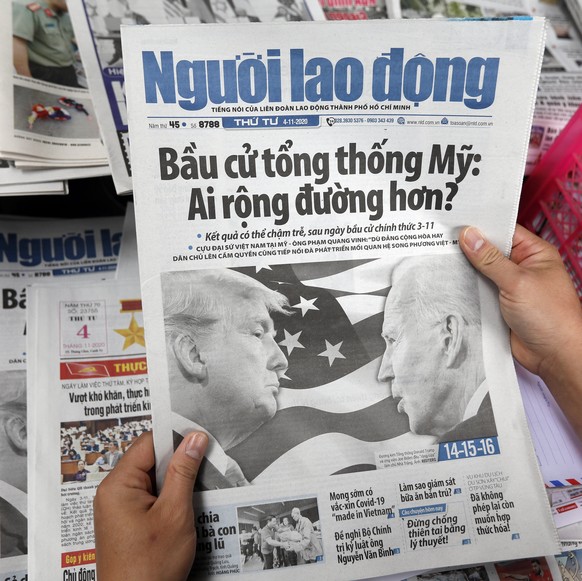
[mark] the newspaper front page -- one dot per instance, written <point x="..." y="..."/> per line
<point x="88" y="399"/>
<point x="298" y="203"/>
<point x="30" y="251"/>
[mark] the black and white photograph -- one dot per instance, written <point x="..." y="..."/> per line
<point x="106" y="17"/>
<point x="207" y="11"/>
<point x="317" y="367"/>
<point x="280" y="534"/>
<point x="61" y="115"/>
<point x="13" y="457"/>
<point x="475" y="573"/>
<point x="92" y="448"/>
<point x="281" y="10"/>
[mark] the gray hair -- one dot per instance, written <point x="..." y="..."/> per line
<point x="439" y="286"/>
<point x="194" y="300"/>
<point x="13" y="391"/>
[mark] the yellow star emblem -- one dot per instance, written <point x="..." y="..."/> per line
<point x="133" y="334"/>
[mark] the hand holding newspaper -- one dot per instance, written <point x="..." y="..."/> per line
<point x="298" y="205"/>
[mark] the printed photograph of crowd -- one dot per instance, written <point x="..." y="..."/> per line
<point x="91" y="448"/>
<point x="280" y="534"/>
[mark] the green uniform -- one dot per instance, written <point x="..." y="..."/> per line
<point x="49" y="35"/>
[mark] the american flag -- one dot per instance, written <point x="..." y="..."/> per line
<point x="333" y="414"/>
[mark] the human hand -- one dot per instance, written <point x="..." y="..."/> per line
<point x="141" y="536"/>
<point x="537" y="298"/>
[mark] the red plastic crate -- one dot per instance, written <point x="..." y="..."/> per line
<point x="551" y="199"/>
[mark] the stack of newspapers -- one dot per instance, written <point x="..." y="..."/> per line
<point x="62" y="91"/>
<point x="355" y="378"/>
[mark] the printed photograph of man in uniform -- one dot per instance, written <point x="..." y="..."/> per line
<point x="43" y="42"/>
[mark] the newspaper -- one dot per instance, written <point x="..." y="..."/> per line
<point x="97" y="31"/>
<point x="355" y="9"/>
<point x="88" y="399"/>
<point x="558" y="448"/>
<point x="563" y="42"/>
<point x="32" y="251"/>
<point x="533" y="569"/>
<point x="11" y="175"/>
<point x="559" y="96"/>
<point x="283" y="185"/>
<point x="49" y="188"/>
<point x="47" y="112"/>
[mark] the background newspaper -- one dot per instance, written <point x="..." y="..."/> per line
<point x="310" y="179"/>
<point x="51" y="123"/>
<point x="32" y="251"/>
<point x="88" y="388"/>
<point x="97" y="30"/>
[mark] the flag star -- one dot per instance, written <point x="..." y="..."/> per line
<point x="291" y="341"/>
<point x="332" y="352"/>
<point x="305" y="305"/>
<point x="260" y="267"/>
<point x="133" y="334"/>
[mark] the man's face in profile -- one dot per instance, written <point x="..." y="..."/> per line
<point x="413" y="364"/>
<point x="536" y="568"/>
<point x="243" y="361"/>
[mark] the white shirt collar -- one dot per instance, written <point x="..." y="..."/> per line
<point x="214" y="453"/>
<point x="476" y="401"/>
<point x="14" y="496"/>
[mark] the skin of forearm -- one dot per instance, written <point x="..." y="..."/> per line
<point x="563" y="375"/>
<point x="20" y="56"/>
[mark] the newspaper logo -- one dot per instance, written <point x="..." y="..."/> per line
<point x="255" y="78"/>
<point x="71" y="247"/>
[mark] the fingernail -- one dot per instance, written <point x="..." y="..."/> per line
<point x="473" y="238"/>
<point x="196" y="446"/>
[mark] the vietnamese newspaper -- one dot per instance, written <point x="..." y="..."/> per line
<point x="88" y="400"/>
<point x="33" y="251"/>
<point x="97" y="27"/>
<point x="47" y="113"/>
<point x="298" y="202"/>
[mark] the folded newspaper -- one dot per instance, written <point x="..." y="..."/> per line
<point x="88" y="400"/>
<point x="299" y="193"/>
<point x="52" y="251"/>
<point x="47" y="112"/>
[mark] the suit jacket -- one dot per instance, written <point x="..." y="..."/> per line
<point x="209" y="477"/>
<point x="481" y="425"/>
<point x="13" y="531"/>
<point x="113" y="458"/>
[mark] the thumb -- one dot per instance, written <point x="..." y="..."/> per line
<point x="487" y="258"/>
<point x="183" y="469"/>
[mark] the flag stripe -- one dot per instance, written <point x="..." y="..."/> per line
<point x="371" y="277"/>
<point x="360" y="307"/>
<point x="293" y="426"/>
<point x="330" y="453"/>
<point x="344" y="395"/>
